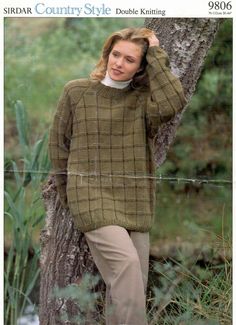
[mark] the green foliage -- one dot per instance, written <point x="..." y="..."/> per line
<point x="86" y="31"/>
<point x="184" y="292"/>
<point x="37" y="66"/>
<point x="36" y="162"/>
<point x="221" y="51"/>
<point x="24" y="212"/>
<point x="83" y="296"/>
<point x="192" y="212"/>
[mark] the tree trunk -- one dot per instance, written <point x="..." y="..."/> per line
<point x="187" y="42"/>
<point x="65" y="256"/>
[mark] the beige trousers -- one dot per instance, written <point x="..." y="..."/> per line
<point x="122" y="258"/>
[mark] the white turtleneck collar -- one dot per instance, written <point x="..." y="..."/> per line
<point x="107" y="81"/>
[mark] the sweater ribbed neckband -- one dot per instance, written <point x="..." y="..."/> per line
<point x="109" y="92"/>
<point x="107" y="81"/>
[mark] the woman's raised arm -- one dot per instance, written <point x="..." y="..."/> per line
<point x="166" y="92"/>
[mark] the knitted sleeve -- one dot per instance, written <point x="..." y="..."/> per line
<point x="59" y="143"/>
<point x="166" y="92"/>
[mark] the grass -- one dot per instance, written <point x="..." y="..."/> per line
<point x="194" y="215"/>
<point x="180" y="292"/>
<point x="188" y="294"/>
<point x="23" y="215"/>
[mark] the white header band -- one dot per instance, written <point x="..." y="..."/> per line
<point x="132" y="8"/>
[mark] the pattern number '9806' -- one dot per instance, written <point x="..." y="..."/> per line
<point x="220" y="5"/>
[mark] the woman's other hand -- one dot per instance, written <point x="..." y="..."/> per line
<point x="153" y="40"/>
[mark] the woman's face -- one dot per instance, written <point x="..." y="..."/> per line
<point x="124" y="60"/>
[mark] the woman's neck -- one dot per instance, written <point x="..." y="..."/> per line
<point x="107" y="81"/>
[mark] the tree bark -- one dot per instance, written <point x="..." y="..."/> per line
<point x="65" y="256"/>
<point x="187" y="42"/>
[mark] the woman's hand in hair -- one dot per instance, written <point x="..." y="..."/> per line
<point x="153" y="40"/>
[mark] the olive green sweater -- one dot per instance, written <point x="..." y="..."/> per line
<point x="99" y="146"/>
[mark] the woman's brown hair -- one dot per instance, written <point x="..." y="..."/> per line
<point x="138" y="36"/>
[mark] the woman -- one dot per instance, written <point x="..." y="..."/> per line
<point x="100" y="148"/>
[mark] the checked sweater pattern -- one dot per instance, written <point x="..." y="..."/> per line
<point x="100" y="146"/>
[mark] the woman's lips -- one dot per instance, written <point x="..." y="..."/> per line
<point x="116" y="71"/>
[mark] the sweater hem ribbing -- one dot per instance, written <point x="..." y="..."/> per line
<point x="127" y="226"/>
